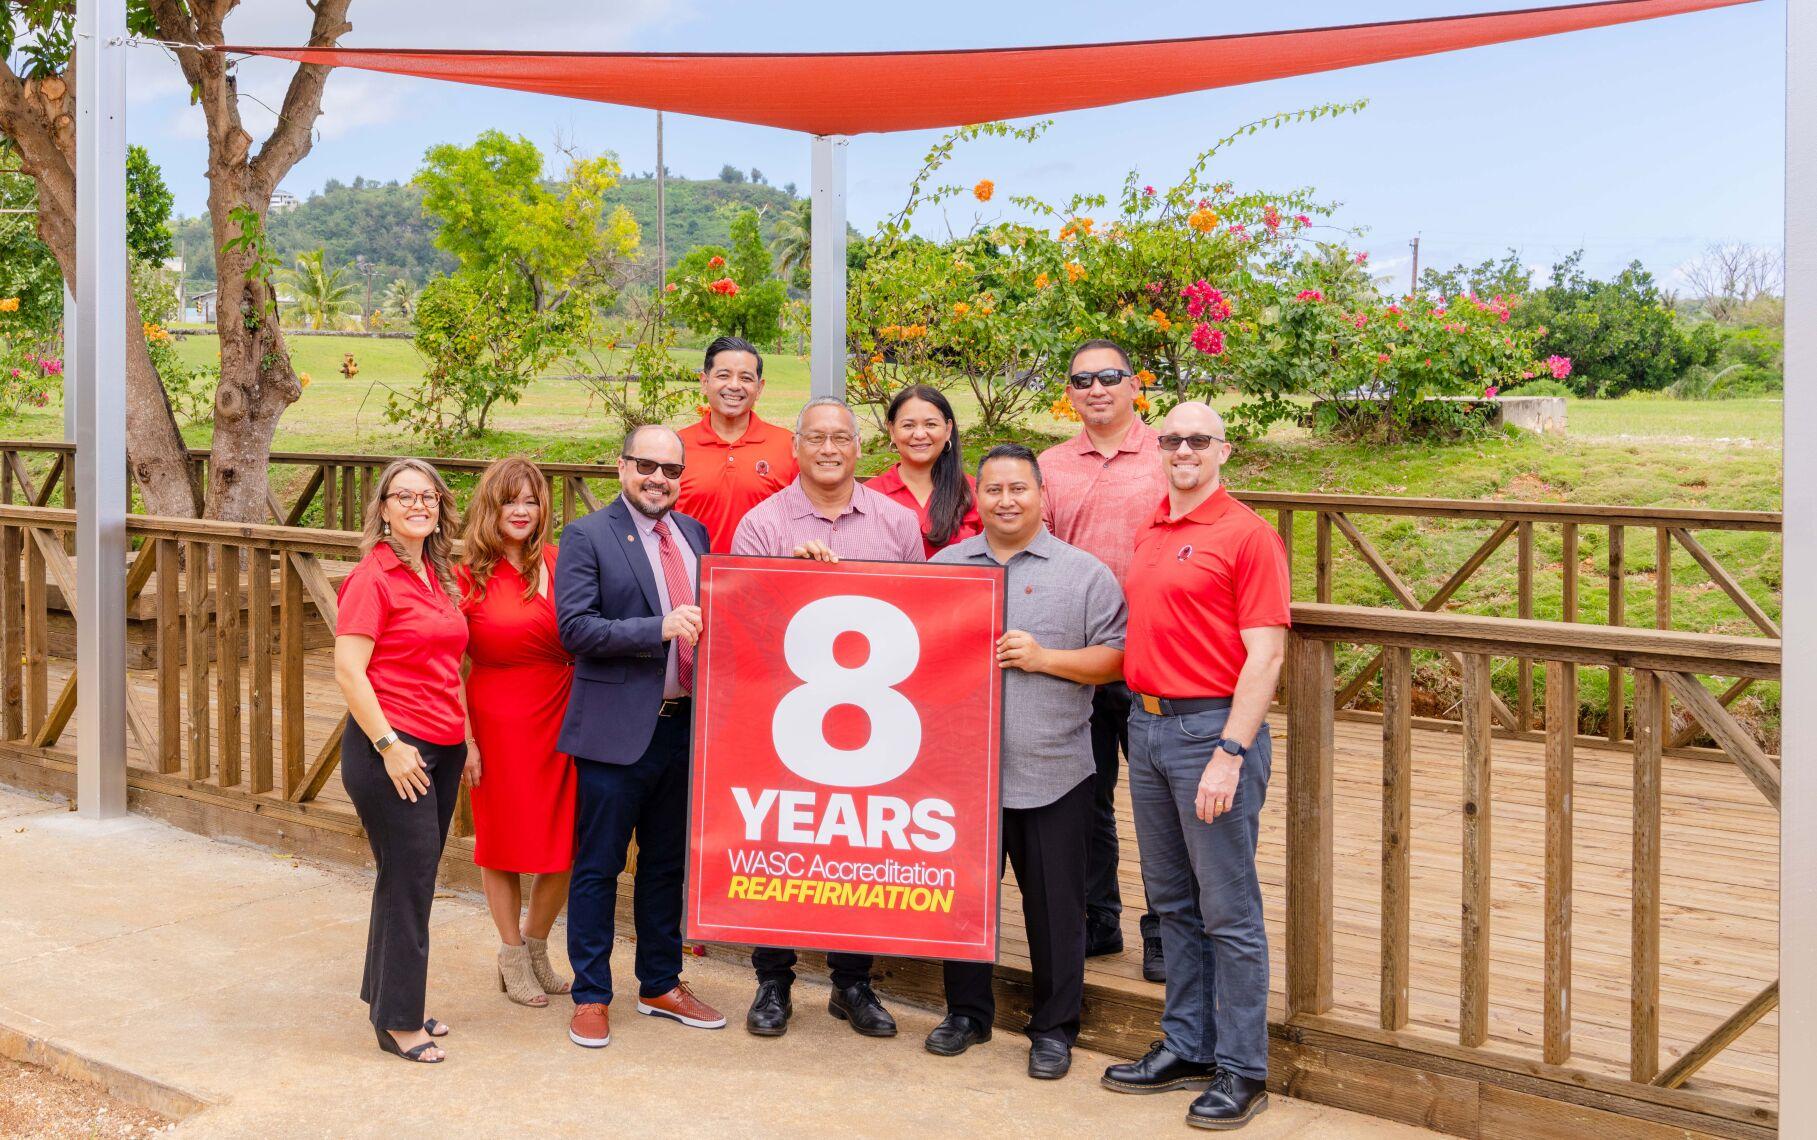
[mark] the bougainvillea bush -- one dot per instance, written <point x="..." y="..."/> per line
<point x="1211" y="288"/>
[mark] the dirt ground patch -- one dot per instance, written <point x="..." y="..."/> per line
<point x="38" y="1103"/>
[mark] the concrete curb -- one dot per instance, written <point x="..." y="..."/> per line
<point x="128" y="1086"/>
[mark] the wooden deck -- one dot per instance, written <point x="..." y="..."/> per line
<point x="1719" y="886"/>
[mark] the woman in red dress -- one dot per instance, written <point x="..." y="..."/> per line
<point x="517" y="692"/>
<point x="929" y="477"/>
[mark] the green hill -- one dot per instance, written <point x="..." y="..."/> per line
<point x="384" y="222"/>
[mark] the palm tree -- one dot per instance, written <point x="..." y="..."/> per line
<point x="399" y="300"/>
<point x="323" y="296"/>
<point x="794" y="240"/>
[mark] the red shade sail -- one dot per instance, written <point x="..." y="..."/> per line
<point x="856" y="92"/>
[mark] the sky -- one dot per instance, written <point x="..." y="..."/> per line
<point x="1645" y="141"/>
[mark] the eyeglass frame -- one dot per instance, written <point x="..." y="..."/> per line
<point x="1098" y="377"/>
<point x="1168" y="449"/>
<point x="818" y="438"/>
<point x="638" y="462"/>
<point x="429" y="498"/>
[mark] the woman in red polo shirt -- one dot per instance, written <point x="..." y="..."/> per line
<point x="398" y="640"/>
<point x="929" y="475"/>
<point x="517" y="694"/>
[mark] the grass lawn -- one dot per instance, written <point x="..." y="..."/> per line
<point x="1640" y="450"/>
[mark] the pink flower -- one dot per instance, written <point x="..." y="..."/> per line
<point x="1155" y="288"/>
<point x="1148" y="191"/>
<point x="1381" y="358"/>
<point x="1204" y="203"/>
<point x="1238" y="231"/>
<point x="1526" y="376"/>
<point x="1302" y="219"/>
<point x="1208" y="340"/>
<point x="1394" y="310"/>
<point x="1309" y="295"/>
<point x="17" y="374"/>
<point x="1560" y="366"/>
<point x="670" y="287"/>
<point x="1360" y="320"/>
<point x="1490" y="391"/>
<point x="1204" y="301"/>
<point x="1542" y="330"/>
<point x="1271" y="218"/>
<point x="1363" y="258"/>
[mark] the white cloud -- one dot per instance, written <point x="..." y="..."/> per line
<point x="525" y="25"/>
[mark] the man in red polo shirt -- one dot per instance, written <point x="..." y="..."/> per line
<point x="735" y="460"/>
<point x="1209" y="603"/>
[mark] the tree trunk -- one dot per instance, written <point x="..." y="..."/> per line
<point x="42" y="130"/>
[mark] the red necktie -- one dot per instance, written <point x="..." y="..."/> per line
<point x="681" y="593"/>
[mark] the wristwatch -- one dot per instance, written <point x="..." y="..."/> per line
<point x="1228" y="745"/>
<point x="385" y="741"/>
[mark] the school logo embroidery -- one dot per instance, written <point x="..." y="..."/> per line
<point x="1184" y="554"/>
<point x="763" y="467"/>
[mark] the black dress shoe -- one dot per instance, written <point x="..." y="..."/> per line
<point x="770" y="1010"/>
<point x="1231" y="1102"/>
<point x="1154" y="965"/>
<point x="956" y="1034"/>
<point x="859" y="1005"/>
<point x="1049" y="1058"/>
<point x="1159" y="1071"/>
<point x="1103" y="939"/>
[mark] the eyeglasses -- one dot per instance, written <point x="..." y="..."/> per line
<point x="1109" y="377"/>
<point x="408" y="499"/>
<point x="649" y="466"/>
<point x="839" y="438"/>
<point x="1196" y="442"/>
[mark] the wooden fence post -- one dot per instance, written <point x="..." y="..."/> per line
<point x="1397" y="822"/>
<point x="1309" y="826"/>
<point x="1473" y="996"/>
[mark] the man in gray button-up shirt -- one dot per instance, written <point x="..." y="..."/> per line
<point x="1066" y="617"/>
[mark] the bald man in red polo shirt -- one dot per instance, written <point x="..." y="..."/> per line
<point x="1209" y="603"/>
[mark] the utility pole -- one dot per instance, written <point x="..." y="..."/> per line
<point x="662" y="229"/>
<point x="1414" y="286"/>
<point x="367" y="269"/>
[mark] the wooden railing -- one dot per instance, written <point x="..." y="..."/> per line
<point x="1662" y="663"/>
<point x="329" y="491"/>
<point x="225" y="705"/>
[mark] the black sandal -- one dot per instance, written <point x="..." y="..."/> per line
<point x="435" y="1028"/>
<point x="389" y="1044"/>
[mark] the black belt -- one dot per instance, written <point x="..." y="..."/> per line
<point x="1181" y="706"/>
<point x="680" y="706"/>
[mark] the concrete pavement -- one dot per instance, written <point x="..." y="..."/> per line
<point x="231" y="973"/>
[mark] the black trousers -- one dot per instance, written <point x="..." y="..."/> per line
<point x="777" y="964"/>
<point x="612" y="802"/>
<point x="1109" y="734"/>
<point x="1047" y="846"/>
<point x="407" y="840"/>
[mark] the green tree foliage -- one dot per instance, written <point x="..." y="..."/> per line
<point x="1488" y="278"/>
<point x="498" y="215"/>
<point x="148" y="203"/>
<point x="730" y="173"/>
<point x="323" y="297"/>
<point x="481" y="343"/>
<point x="794" y="244"/>
<point x="1620" y="335"/>
<point x="720" y="291"/>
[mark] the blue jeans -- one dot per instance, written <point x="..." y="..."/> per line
<point x="1202" y="885"/>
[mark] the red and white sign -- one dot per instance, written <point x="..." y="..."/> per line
<point x="845" y="793"/>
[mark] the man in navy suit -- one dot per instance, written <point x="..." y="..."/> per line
<point x="625" y="601"/>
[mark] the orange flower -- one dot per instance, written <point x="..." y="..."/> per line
<point x="960" y="308"/>
<point x="303" y="379"/>
<point x="153" y="332"/>
<point x="1063" y="408"/>
<point x="913" y="332"/>
<point x="1161" y="320"/>
<point x="986" y="305"/>
<point x="876" y="358"/>
<point x="1041" y="281"/>
<point x="1074" y="271"/>
<point x="1142" y="404"/>
<point x="9" y="304"/>
<point x="715" y="261"/>
<point x="701" y="410"/>
<point x="984" y="190"/>
<point x="1066" y="232"/>
<point x="1143" y="379"/>
<point x="1202" y="219"/>
<point x="1084" y="224"/>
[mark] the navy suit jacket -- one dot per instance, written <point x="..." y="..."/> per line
<point x="610" y="617"/>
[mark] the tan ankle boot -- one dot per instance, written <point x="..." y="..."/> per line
<point x="515" y="977"/>
<point x="546" y="977"/>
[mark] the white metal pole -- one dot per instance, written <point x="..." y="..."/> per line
<point x="1798" y="726"/>
<point x="827" y="370"/>
<point x="100" y="385"/>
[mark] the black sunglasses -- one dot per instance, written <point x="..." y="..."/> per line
<point x="649" y="466"/>
<point x="1109" y="377"/>
<point x="1196" y="442"/>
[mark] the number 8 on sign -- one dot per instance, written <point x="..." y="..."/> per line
<point x="798" y="728"/>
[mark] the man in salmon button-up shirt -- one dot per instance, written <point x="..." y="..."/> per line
<point x="1102" y="487"/>
<point x="735" y="459"/>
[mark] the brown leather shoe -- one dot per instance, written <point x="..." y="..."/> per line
<point x="681" y="1005"/>
<point x="590" y="1027"/>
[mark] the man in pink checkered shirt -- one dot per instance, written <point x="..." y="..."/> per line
<point x="825" y="514"/>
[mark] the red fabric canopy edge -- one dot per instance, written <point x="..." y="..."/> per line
<point x="858" y="92"/>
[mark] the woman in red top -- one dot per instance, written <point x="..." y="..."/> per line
<point x="929" y="476"/>
<point x="398" y="640"/>
<point x="517" y="693"/>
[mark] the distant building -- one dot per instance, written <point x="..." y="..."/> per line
<point x="283" y="201"/>
<point x="202" y="306"/>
